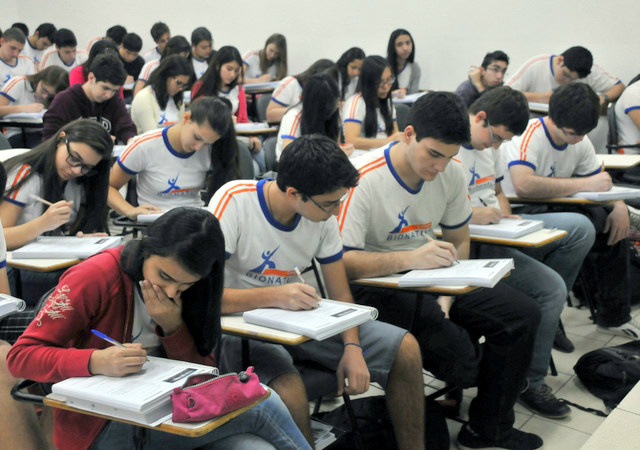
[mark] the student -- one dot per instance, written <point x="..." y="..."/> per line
<point x="404" y="189"/>
<point x="553" y="158"/>
<point x="129" y="53"/>
<point x="201" y="48"/>
<point x="319" y="113"/>
<point x="95" y="99"/>
<point x="177" y="45"/>
<point x="161" y="35"/>
<point x="12" y="64"/>
<point x="169" y="286"/>
<point x="268" y="64"/>
<point x="30" y="94"/>
<point x="628" y="117"/>
<point x="174" y="164"/>
<point x="546" y="274"/>
<point x="481" y="79"/>
<point x="38" y="43"/>
<point x="79" y="74"/>
<point x="541" y="75"/>
<point x="289" y="91"/>
<point x="65" y="53"/>
<point x="278" y="225"/>
<point x="349" y="65"/>
<point x="22" y="27"/>
<point x="114" y="34"/>
<point x="71" y="171"/>
<point x="401" y="53"/>
<point x="369" y="116"/>
<point x="160" y="103"/>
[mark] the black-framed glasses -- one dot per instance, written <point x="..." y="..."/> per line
<point x="330" y="206"/>
<point x="75" y="161"/>
<point x="389" y="80"/>
<point x="180" y="83"/>
<point x="494" y="138"/>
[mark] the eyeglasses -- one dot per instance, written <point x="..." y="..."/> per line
<point x="330" y="205"/>
<point x="571" y="134"/>
<point x="494" y="138"/>
<point x="389" y="80"/>
<point x="497" y="69"/>
<point x="180" y="83"/>
<point x="74" y="161"/>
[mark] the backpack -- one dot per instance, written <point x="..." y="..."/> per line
<point x="610" y="373"/>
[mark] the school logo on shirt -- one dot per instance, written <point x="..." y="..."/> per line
<point x="267" y="271"/>
<point x="404" y="230"/>
<point x="474" y="175"/>
<point x="163" y="119"/>
<point x="552" y="171"/>
<point x="173" y="190"/>
<point x="477" y="182"/>
<point x="6" y="78"/>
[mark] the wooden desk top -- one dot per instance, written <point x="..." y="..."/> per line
<point x="260" y="88"/>
<point x="617" y="161"/>
<point x="40" y="265"/>
<point x="184" y="429"/>
<point x="391" y="281"/>
<point x="254" y="129"/>
<point x="11" y="152"/>
<point x="560" y="200"/>
<point x="536" y="239"/>
<point x="235" y="325"/>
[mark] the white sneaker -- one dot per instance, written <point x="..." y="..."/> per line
<point x="634" y="218"/>
<point x="630" y="329"/>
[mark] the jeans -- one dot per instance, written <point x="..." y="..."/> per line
<point x="266" y="426"/>
<point x="506" y="318"/>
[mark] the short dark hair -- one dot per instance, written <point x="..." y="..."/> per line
<point x="315" y="165"/>
<point x="22" y="26"/>
<point x="108" y="67"/>
<point x="504" y="106"/>
<point x="175" y="45"/>
<point x="47" y="30"/>
<point x="132" y="42"/>
<point x="103" y="46"/>
<point x="200" y="34"/>
<point x="116" y="33"/>
<point x="575" y="106"/>
<point x="64" y="37"/>
<point x="14" y="34"/>
<point x="158" y="29"/>
<point x="441" y="116"/>
<point x="578" y="59"/>
<point x="496" y="55"/>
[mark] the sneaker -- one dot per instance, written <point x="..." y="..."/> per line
<point x="562" y="343"/>
<point x="541" y="401"/>
<point x="512" y="440"/>
<point x="634" y="218"/>
<point x="630" y="329"/>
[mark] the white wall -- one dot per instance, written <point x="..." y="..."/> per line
<point x="449" y="35"/>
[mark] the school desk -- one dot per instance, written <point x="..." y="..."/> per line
<point x="41" y="265"/>
<point x="22" y="121"/>
<point x="618" y="161"/>
<point x="538" y="238"/>
<point x="255" y="129"/>
<point x="11" y="152"/>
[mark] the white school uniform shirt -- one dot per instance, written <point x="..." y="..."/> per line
<point x="288" y="92"/>
<point x="383" y="214"/>
<point x="233" y="96"/>
<point x="19" y="92"/>
<point x="289" y="127"/>
<point x="23" y="66"/>
<point x="535" y="149"/>
<point x="169" y="115"/>
<point x="143" y="330"/>
<point x="355" y="110"/>
<point x="628" y="131"/>
<point x="260" y="250"/>
<point x="33" y="53"/>
<point x="536" y="75"/>
<point x="147" y="69"/>
<point x="165" y="178"/>
<point x="483" y="169"/>
<point x="199" y="67"/>
<point x="252" y="60"/>
<point x="52" y="58"/>
<point x="31" y="208"/>
<point x="152" y="55"/>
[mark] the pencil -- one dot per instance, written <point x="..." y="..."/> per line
<point x="41" y="200"/>
<point x="455" y="261"/>
<point x="602" y="167"/>
<point x="299" y="274"/>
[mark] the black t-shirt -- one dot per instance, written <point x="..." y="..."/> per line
<point x="134" y="67"/>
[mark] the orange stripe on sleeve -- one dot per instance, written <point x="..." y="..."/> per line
<point x="226" y="197"/>
<point x="137" y="142"/>
<point x="375" y="164"/>
<point x="525" y="141"/>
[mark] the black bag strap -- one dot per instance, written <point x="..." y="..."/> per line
<point x="597" y="412"/>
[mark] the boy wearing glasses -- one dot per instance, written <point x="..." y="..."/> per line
<point x="546" y="274"/>
<point x="481" y="79"/>
<point x="554" y="158"/>
<point x="272" y="227"/>
<point x="96" y="99"/>
<point x="541" y="75"/>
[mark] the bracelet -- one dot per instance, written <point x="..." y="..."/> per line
<point x="354" y="344"/>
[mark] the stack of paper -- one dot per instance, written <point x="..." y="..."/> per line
<point x="144" y="397"/>
<point x="507" y="228"/>
<point x="328" y="319"/>
<point x="66" y="247"/>
<point x="615" y="193"/>
<point x="10" y="305"/>
<point x="470" y="272"/>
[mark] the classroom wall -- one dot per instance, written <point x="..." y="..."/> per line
<point x="449" y="35"/>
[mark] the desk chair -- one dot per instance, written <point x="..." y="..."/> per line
<point x="4" y="142"/>
<point x="261" y="107"/>
<point x="269" y="147"/>
<point x="401" y="115"/>
<point x="245" y="162"/>
<point x="631" y="176"/>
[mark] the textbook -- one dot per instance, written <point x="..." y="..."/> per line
<point x="329" y="318"/>
<point x="26" y="115"/>
<point x="66" y="247"/>
<point x="251" y="126"/>
<point x="507" y="228"/>
<point x="10" y="305"/>
<point x="471" y="272"/>
<point x="615" y="193"/>
<point x="143" y="397"/>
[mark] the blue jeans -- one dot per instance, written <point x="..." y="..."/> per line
<point x="267" y="426"/>
<point x="546" y="274"/>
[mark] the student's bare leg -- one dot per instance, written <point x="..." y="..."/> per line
<point x="405" y="395"/>
<point x="291" y="390"/>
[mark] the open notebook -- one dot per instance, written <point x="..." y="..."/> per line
<point x="10" y="305"/>
<point x="472" y="272"/>
<point x="507" y="228"/>
<point x="66" y="247"/>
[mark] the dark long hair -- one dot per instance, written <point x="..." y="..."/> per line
<point x="320" y="66"/>
<point x="192" y="236"/>
<point x="170" y="66"/>
<point x="350" y="55"/>
<point x="370" y="77"/>
<point x="54" y="76"/>
<point x="281" y="60"/>
<point x="211" y="82"/>
<point x="42" y="159"/>
<point x="392" y="55"/>
<point x="320" y="112"/>
<point x="101" y="47"/>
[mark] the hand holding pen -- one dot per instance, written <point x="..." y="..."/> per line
<point x="296" y="296"/>
<point x="116" y="361"/>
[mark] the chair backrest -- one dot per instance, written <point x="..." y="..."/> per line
<point x="269" y="147"/>
<point x="4" y="142"/>
<point x="245" y="162"/>
<point x="261" y="106"/>
<point x="401" y="115"/>
<point x="612" y="134"/>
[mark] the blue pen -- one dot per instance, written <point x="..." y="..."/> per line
<point x="108" y="339"/>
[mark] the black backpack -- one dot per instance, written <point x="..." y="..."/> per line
<point x="610" y="373"/>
